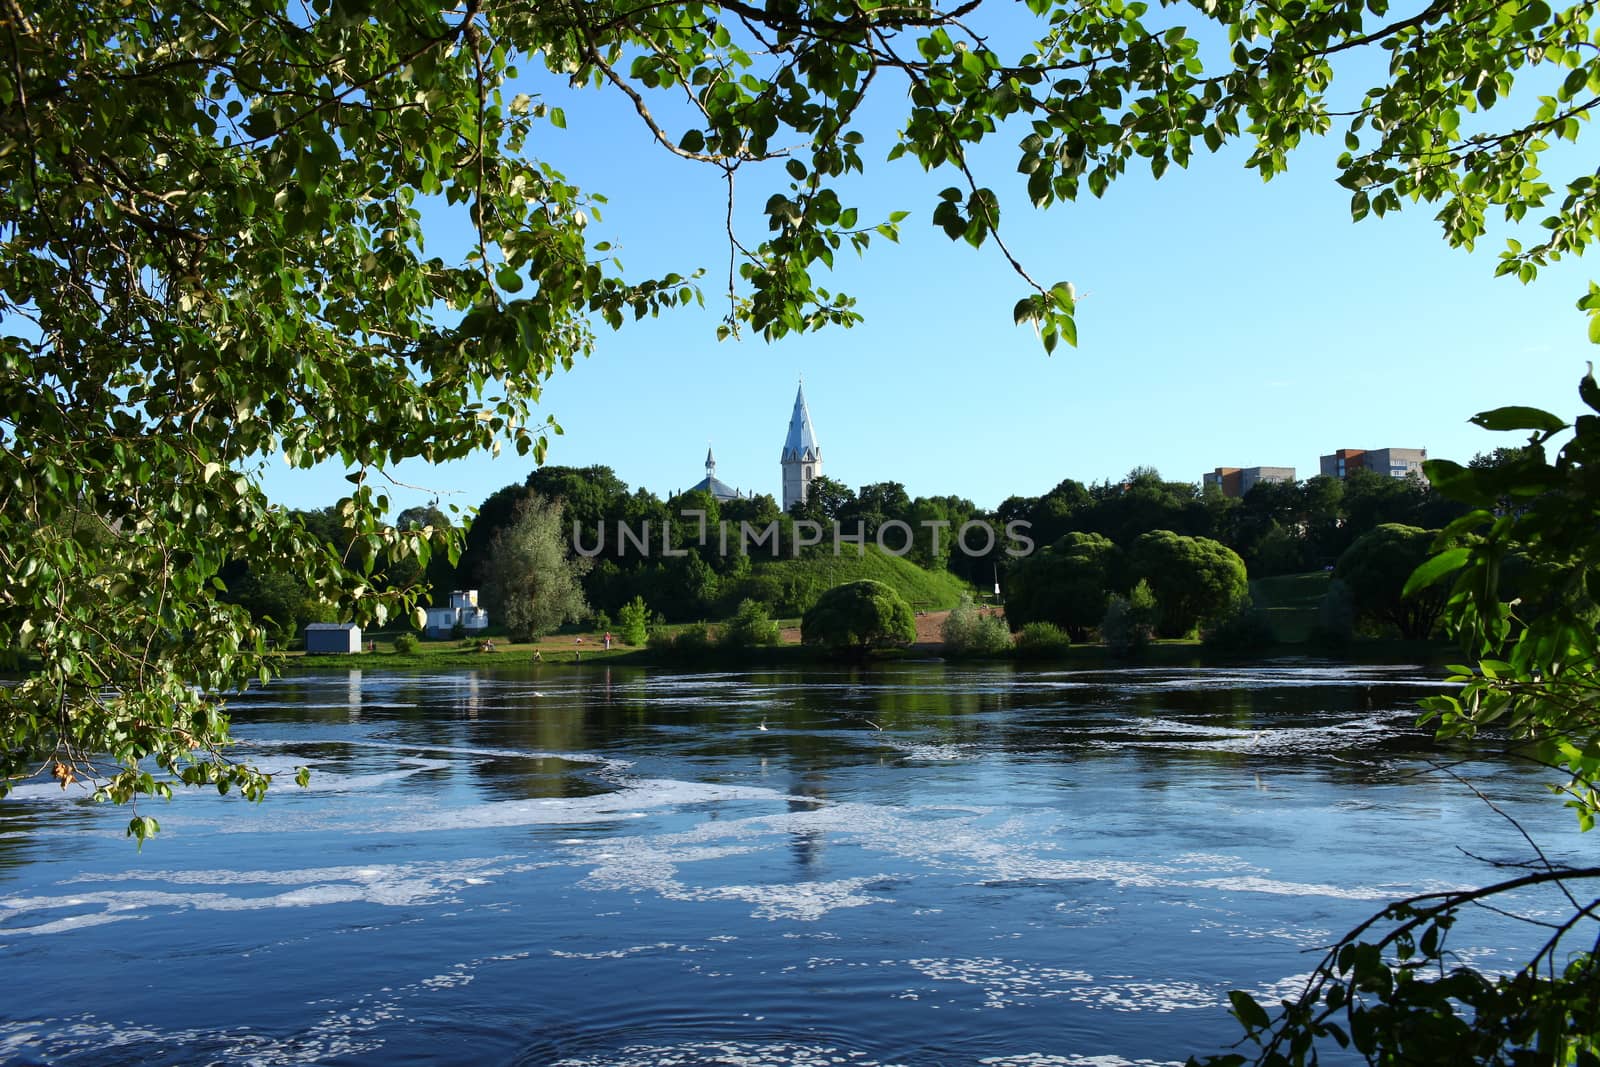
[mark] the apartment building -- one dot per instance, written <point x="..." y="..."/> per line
<point x="1237" y="481"/>
<point x="1390" y="462"/>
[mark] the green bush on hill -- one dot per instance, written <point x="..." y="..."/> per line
<point x="858" y="617"/>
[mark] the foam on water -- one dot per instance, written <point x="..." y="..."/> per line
<point x="729" y="1054"/>
<point x="1003" y="982"/>
<point x="390" y="885"/>
<point x="1044" y="1059"/>
<point x="880" y="859"/>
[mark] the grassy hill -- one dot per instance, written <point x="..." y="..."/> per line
<point x="1291" y="602"/>
<point x="791" y="586"/>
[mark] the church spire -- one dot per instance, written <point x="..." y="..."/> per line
<point x="801" y="444"/>
<point x="711" y="463"/>
<point x="802" y="456"/>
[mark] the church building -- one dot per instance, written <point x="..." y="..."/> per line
<point x="802" y="458"/>
<point x="719" y="489"/>
<point x="801" y="462"/>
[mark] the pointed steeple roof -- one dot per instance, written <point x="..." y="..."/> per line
<point x="801" y="443"/>
<point x="718" y="489"/>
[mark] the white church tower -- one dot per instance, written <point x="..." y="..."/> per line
<point x="802" y="459"/>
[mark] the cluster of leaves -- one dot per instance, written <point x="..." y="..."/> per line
<point x="1524" y="570"/>
<point x="214" y="254"/>
<point x="1391" y="991"/>
<point x="1520" y="571"/>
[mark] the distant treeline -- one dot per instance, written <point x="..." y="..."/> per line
<point x="1276" y="528"/>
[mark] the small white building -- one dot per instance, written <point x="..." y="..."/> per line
<point x="463" y="611"/>
<point x="336" y="637"/>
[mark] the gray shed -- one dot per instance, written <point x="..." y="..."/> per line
<point x="333" y="637"/>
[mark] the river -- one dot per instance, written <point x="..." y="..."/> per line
<point x="918" y="864"/>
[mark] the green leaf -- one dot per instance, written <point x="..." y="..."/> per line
<point x="1446" y="562"/>
<point x="1247" y="1011"/>
<point x="1588" y="390"/>
<point x="508" y="278"/>
<point x="1516" y="417"/>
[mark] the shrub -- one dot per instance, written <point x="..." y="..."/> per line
<point x="406" y="644"/>
<point x="691" y="641"/>
<point x="1042" y="640"/>
<point x="749" y="627"/>
<point x="859" y="616"/>
<point x="969" y="631"/>
<point x="1130" y="621"/>
<point x="633" y="621"/>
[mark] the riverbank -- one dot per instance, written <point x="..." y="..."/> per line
<point x="579" y="651"/>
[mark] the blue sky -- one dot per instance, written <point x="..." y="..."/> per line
<point x="1223" y="321"/>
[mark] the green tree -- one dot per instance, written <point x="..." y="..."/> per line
<point x="1194" y="579"/>
<point x="1375" y="570"/>
<point x="214" y="252"/>
<point x="826" y="499"/>
<point x="633" y="622"/>
<point x="858" y="617"/>
<point x="1068" y="584"/>
<point x="532" y="579"/>
<point x="874" y="505"/>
